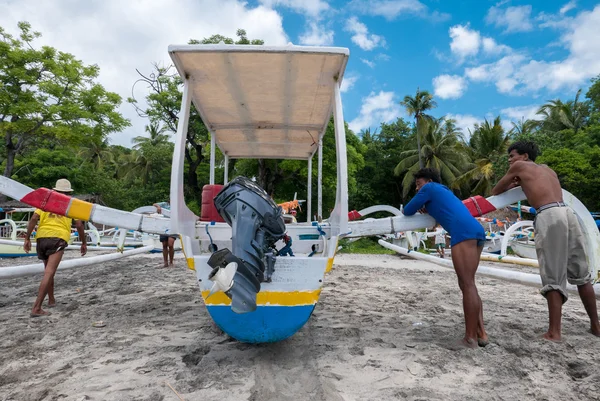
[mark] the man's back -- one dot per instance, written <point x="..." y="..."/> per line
<point x="539" y="183"/>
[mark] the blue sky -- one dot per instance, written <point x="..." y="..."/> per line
<point x="441" y="46"/>
<point x="479" y="58"/>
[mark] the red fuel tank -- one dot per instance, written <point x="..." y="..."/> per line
<point x="209" y="211"/>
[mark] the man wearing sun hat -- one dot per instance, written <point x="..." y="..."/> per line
<point x="53" y="233"/>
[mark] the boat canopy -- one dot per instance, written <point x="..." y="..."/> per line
<point x="262" y="102"/>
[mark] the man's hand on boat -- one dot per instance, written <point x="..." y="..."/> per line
<point x="27" y="245"/>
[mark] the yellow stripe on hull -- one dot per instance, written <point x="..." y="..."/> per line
<point x="190" y="261"/>
<point x="329" y="265"/>
<point x="269" y="298"/>
<point x="80" y="210"/>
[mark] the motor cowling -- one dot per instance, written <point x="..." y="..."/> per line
<point x="256" y="224"/>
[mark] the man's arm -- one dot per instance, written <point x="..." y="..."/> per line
<point x="30" y="226"/>
<point x="417" y="202"/>
<point x="509" y="180"/>
<point x="81" y="232"/>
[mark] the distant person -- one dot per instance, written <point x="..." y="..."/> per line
<point x="467" y="242"/>
<point x="167" y="240"/>
<point x="52" y="236"/>
<point x="287" y="249"/>
<point x="440" y="241"/>
<point x="559" y="240"/>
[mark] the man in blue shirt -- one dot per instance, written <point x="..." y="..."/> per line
<point x="467" y="239"/>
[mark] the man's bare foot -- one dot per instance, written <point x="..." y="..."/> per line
<point x="469" y="343"/>
<point x="595" y="330"/>
<point x="552" y="337"/>
<point x="483" y="342"/>
<point x="39" y="313"/>
<point x="171" y="264"/>
<point x="51" y="305"/>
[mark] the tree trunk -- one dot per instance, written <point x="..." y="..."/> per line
<point x="10" y="162"/>
<point x="419" y="140"/>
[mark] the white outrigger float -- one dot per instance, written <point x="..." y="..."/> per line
<point x="260" y="102"/>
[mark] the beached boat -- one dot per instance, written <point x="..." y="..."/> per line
<point x="10" y="231"/>
<point x="261" y="102"/>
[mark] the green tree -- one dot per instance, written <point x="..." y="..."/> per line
<point x="163" y="103"/>
<point x="487" y="147"/>
<point x="558" y="115"/>
<point x="418" y="106"/>
<point x="441" y="150"/>
<point x="45" y="93"/>
<point x="156" y="136"/>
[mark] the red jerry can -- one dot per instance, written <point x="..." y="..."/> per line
<point x="209" y="211"/>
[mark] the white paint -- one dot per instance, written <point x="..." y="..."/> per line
<point x="309" y="194"/>
<point x="25" y="270"/>
<point x="339" y="216"/>
<point x="320" y="182"/>
<point x="511" y="275"/>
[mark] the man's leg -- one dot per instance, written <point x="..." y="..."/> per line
<point x="588" y="297"/>
<point x="51" y="300"/>
<point x="465" y="258"/>
<point x="171" y="243"/>
<point x="555" y="302"/>
<point x="165" y="250"/>
<point x="49" y="271"/>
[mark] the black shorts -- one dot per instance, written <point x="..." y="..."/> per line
<point x="164" y="238"/>
<point x="49" y="246"/>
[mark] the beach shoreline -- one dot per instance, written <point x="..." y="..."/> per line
<point x="385" y="328"/>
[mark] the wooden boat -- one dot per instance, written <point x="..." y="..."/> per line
<point x="260" y="102"/>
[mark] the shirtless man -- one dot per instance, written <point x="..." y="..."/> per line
<point x="467" y="242"/>
<point x="559" y="241"/>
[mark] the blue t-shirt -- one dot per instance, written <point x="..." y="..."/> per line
<point x="447" y="210"/>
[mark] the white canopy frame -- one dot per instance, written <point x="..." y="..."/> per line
<point x="262" y="102"/>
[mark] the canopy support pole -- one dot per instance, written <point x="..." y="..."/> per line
<point x="320" y="182"/>
<point x="226" y="171"/>
<point x="309" y="192"/>
<point x="211" y="180"/>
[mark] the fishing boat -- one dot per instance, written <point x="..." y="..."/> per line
<point x="262" y="102"/>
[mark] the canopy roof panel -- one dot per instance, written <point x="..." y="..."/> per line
<point x="263" y="101"/>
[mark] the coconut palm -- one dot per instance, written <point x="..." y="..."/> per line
<point x="440" y="149"/>
<point x="488" y="143"/>
<point x="156" y="137"/>
<point x="558" y="115"/>
<point x="96" y="152"/>
<point x="417" y="106"/>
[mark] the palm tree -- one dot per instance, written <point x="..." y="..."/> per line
<point x="96" y="152"/>
<point x="487" y="144"/>
<point x="417" y="106"/>
<point x="157" y="136"/>
<point x="558" y="115"/>
<point x="523" y="128"/>
<point x="133" y="165"/>
<point x="441" y="150"/>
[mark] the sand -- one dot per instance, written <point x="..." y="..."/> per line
<point x="384" y="329"/>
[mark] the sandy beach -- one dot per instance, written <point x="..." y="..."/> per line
<point x="385" y="328"/>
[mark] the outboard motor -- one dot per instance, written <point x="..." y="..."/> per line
<point x="256" y="224"/>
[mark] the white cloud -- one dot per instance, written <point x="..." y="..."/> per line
<point x="517" y="74"/>
<point x="368" y="62"/>
<point x="490" y="46"/>
<point x="313" y="8"/>
<point x="361" y="36"/>
<point x="513" y="19"/>
<point x="519" y="112"/>
<point x="392" y="9"/>
<point x="348" y="82"/>
<point x="568" y="7"/>
<point x="500" y="72"/>
<point x="465" y="42"/>
<point x="122" y="36"/>
<point x="449" y="86"/>
<point x="376" y="109"/>
<point x="316" y="35"/>
<point x="465" y="122"/>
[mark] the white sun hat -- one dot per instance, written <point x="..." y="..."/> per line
<point x="63" y="185"/>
